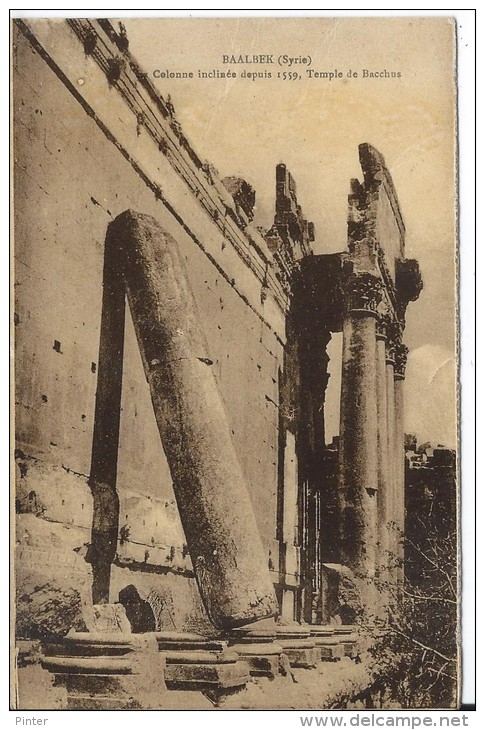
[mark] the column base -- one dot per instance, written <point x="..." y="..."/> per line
<point x="348" y="636"/>
<point x="194" y="662"/>
<point x="102" y="671"/>
<point x="298" y="646"/>
<point x="259" y="648"/>
<point x="329" y="644"/>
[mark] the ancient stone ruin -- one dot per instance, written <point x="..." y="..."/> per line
<point x="183" y="531"/>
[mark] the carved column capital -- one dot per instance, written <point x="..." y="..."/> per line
<point x="381" y="329"/>
<point x="384" y="322"/>
<point x="400" y="360"/>
<point x="363" y="292"/>
<point x="393" y="332"/>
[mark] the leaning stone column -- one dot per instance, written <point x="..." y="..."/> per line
<point x="214" y="504"/>
<point x="399" y="371"/>
<point x="358" y="452"/>
<point x="106" y="432"/>
<point x="383" y="490"/>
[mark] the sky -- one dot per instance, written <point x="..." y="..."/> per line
<point x="245" y="127"/>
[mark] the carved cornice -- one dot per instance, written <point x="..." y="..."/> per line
<point x="155" y="116"/>
<point x="364" y="198"/>
<point x="376" y="172"/>
<point x="291" y="235"/>
<point x="401" y="277"/>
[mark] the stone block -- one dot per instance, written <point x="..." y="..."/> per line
<point x="217" y="675"/>
<point x="342" y="594"/>
<point x="196" y="662"/>
<point x="298" y="645"/>
<point x="107" y="618"/>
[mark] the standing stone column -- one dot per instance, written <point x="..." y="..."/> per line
<point x="383" y="491"/>
<point x="399" y="372"/>
<point x="214" y="504"/>
<point x="358" y="450"/>
<point x="390" y="516"/>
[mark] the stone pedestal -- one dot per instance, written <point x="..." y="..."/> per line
<point x="328" y="643"/>
<point x="260" y="649"/>
<point x="348" y="637"/>
<point x="229" y="560"/>
<point x="194" y="662"/>
<point x="298" y="645"/>
<point x="107" y="671"/>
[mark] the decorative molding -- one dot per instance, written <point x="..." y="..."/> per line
<point x="291" y="235"/>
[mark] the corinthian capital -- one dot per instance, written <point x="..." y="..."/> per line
<point x="393" y="332"/>
<point x="400" y="360"/>
<point x="384" y="322"/>
<point x="363" y="292"/>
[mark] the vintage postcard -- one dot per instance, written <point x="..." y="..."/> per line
<point x="235" y="333"/>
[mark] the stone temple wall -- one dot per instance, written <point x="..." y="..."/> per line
<point x="85" y="151"/>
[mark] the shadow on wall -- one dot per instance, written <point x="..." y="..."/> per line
<point x="138" y="612"/>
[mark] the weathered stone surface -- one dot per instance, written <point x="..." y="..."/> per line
<point x="56" y="390"/>
<point x="243" y="194"/>
<point x="60" y="297"/>
<point x="264" y="660"/>
<point x="49" y="610"/>
<point x="214" y="504"/>
<point x="376" y="237"/>
<point x="391" y="440"/>
<point x="331" y="650"/>
<point x="342" y="594"/>
<point x="107" y="618"/>
<point x="399" y="507"/>
<point x="384" y="485"/>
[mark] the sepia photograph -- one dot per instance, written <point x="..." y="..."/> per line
<point x="235" y="322"/>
